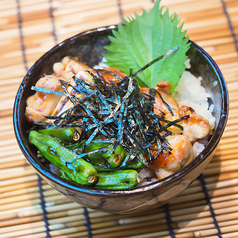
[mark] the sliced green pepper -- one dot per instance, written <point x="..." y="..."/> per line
<point x="102" y="168"/>
<point x="75" y="147"/>
<point x="66" y="135"/>
<point x="136" y="163"/>
<point x="80" y="171"/>
<point x="106" y="159"/>
<point x="121" y="179"/>
<point x="111" y="160"/>
<point x="63" y="175"/>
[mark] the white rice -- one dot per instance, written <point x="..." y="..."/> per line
<point x="198" y="147"/>
<point x="190" y="92"/>
<point x="101" y="64"/>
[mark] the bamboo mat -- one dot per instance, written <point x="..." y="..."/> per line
<point x="31" y="208"/>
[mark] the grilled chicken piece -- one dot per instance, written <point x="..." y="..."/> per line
<point x="163" y="88"/>
<point x="42" y="104"/>
<point x="195" y="127"/>
<point x="68" y="67"/>
<point x="181" y="154"/>
<point x="64" y="103"/>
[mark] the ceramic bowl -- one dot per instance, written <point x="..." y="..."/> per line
<point x="88" y="48"/>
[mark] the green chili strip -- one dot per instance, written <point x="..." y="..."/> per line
<point x="80" y="171"/>
<point x="122" y="179"/>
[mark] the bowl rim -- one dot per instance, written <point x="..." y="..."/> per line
<point x="166" y="181"/>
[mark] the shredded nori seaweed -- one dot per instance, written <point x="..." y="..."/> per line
<point x="117" y="113"/>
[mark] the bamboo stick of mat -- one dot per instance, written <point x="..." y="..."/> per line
<point x="8" y="175"/>
<point x="192" y="190"/>
<point x="15" y="200"/>
<point x="228" y="215"/>
<point x="33" y="192"/>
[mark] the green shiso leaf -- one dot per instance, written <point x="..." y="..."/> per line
<point x="143" y="39"/>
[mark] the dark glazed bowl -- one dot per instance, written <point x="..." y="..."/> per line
<point x="88" y="47"/>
